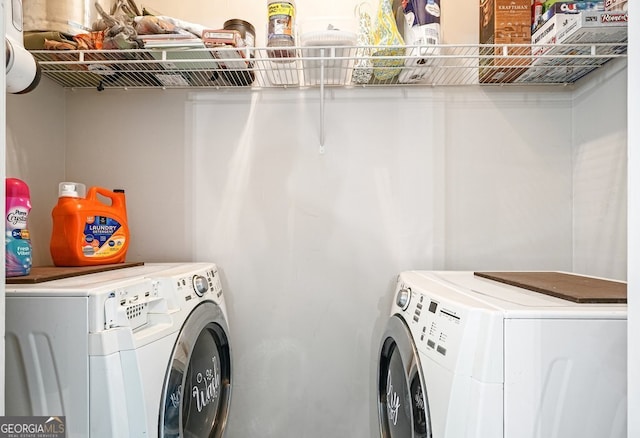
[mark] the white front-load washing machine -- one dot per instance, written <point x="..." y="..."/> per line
<point x="466" y="356"/>
<point x="134" y="352"/>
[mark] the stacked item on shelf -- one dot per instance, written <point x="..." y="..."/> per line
<point x="387" y="55"/>
<point x="242" y="72"/>
<point x="234" y="68"/>
<point x="550" y="8"/>
<point x="419" y="23"/>
<point x="363" y="67"/>
<point x="405" y="34"/>
<point x="179" y="47"/>
<point x="283" y="67"/>
<point x="328" y="50"/>
<point x="182" y="57"/>
<point x="178" y="53"/>
<point x="505" y="33"/>
<point x="227" y="46"/>
<point x="574" y="41"/>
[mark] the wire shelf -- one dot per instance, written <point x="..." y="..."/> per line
<point x="327" y="66"/>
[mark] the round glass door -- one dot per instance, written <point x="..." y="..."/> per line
<point x="198" y="385"/>
<point x="402" y="401"/>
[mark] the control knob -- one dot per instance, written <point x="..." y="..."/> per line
<point x="403" y="297"/>
<point x="200" y="284"/>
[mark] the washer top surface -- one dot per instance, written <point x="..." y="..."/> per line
<point x="97" y="283"/>
<point x="512" y="301"/>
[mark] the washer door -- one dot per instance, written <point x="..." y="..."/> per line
<point x="403" y="408"/>
<point x="197" y="389"/>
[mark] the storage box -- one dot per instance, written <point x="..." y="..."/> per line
<point x="569" y="7"/>
<point x="553" y="42"/>
<point x="505" y="22"/>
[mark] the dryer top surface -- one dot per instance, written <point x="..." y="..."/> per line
<point x="473" y="291"/>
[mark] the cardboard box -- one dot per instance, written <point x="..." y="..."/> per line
<point x="554" y="44"/>
<point x="568" y="7"/>
<point x="506" y="22"/>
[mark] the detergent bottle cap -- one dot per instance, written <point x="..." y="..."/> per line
<point x="72" y="190"/>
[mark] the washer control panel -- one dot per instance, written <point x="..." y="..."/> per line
<point x="129" y="306"/>
<point x="186" y="285"/>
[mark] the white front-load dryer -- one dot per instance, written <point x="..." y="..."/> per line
<point x="468" y="357"/>
<point x="135" y="352"/>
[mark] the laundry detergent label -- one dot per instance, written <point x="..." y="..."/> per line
<point x="17" y="255"/>
<point x="103" y="237"/>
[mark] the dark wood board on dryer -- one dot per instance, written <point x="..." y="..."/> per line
<point x="41" y="274"/>
<point x="572" y="287"/>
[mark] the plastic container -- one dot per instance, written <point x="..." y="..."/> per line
<point x="86" y="230"/>
<point x="18" y="256"/>
<point x="333" y="40"/>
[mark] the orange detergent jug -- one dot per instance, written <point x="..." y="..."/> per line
<point x="86" y="230"/>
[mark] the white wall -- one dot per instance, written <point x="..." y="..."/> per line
<point x="600" y="174"/>
<point x="508" y="180"/>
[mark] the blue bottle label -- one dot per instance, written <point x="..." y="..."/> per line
<point x="103" y="237"/>
<point x="17" y="253"/>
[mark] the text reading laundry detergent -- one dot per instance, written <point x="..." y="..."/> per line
<point x="89" y="230"/>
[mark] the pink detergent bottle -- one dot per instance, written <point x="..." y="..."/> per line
<point x="17" y="240"/>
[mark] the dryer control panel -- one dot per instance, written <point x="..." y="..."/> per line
<point x="436" y="325"/>
<point x="450" y="327"/>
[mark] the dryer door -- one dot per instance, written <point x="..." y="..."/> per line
<point x="197" y="389"/>
<point x="403" y="408"/>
